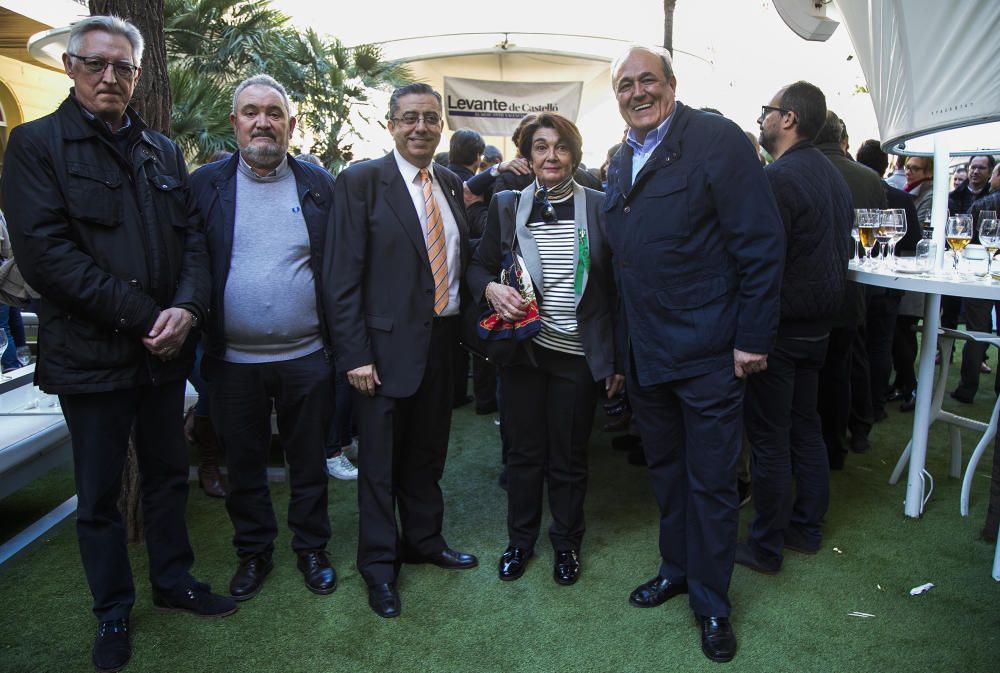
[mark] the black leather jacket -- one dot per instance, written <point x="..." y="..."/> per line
<point x="106" y="230"/>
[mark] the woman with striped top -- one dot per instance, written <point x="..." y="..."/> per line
<point x="556" y="229"/>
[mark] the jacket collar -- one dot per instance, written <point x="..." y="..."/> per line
<point x="77" y="127"/>
<point x="668" y="151"/>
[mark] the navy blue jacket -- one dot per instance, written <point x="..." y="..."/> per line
<point x="698" y="249"/>
<point x="214" y="189"/>
<point x="815" y="206"/>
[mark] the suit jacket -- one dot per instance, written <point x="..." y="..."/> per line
<point x="214" y="189"/>
<point x="595" y="306"/>
<point x="698" y="248"/>
<point x="382" y="290"/>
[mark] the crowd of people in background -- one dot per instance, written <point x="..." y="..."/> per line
<point x="696" y="282"/>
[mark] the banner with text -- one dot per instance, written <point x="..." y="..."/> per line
<point x="495" y="108"/>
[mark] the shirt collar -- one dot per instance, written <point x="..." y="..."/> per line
<point x="126" y="124"/>
<point x="277" y="173"/>
<point x="408" y="170"/>
<point x="653" y="138"/>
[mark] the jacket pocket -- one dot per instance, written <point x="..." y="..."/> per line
<point x="699" y="316"/>
<point x="168" y="196"/>
<point x="95" y="194"/>
<point x="692" y="295"/>
<point x="666" y="207"/>
<point x="381" y="323"/>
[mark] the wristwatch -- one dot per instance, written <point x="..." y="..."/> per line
<point x="194" y="317"/>
<point x="495" y="170"/>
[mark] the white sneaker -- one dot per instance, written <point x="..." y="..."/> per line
<point x="351" y="450"/>
<point x="339" y="467"/>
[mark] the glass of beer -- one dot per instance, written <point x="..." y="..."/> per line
<point x="867" y="229"/>
<point x="989" y="236"/>
<point x="958" y="233"/>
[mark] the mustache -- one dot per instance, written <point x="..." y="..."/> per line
<point x="263" y="134"/>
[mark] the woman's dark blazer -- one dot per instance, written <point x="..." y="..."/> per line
<point x="596" y="307"/>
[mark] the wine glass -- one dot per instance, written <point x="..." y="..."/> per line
<point x="898" y="231"/>
<point x="884" y="232"/>
<point x="989" y="236"/>
<point x="958" y="233"/>
<point x="867" y="227"/>
<point x="856" y="235"/>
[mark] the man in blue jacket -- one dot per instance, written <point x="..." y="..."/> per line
<point x="266" y="220"/>
<point x="698" y="250"/>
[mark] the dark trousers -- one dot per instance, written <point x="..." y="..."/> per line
<point x="549" y="414"/>
<point x="691" y="431"/>
<point x="904" y="353"/>
<point x="834" y="400"/>
<point x="484" y="383"/>
<point x="402" y="450"/>
<point x="791" y="471"/>
<point x="99" y="426"/>
<point x="862" y="416"/>
<point x="978" y="318"/>
<point x="242" y="396"/>
<point x="341" y="429"/>
<point x="880" y="324"/>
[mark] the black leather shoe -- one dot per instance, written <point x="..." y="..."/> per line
<point x="320" y="576"/>
<point x="963" y="397"/>
<point x="197" y="599"/>
<point x="656" y="591"/>
<point x="566" y="570"/>
<point x="112" y="646"/>
<point x="249" y="577"/>
<point x="718" y="641"/>
<point x="746" y="556"/>
<point x="513" y="562"/>
<point x="384" y="600"/>
<point x="448" y="559"/>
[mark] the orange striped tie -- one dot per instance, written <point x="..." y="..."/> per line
<point x="435" y="245"/>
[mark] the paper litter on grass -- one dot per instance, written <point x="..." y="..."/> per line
<point x="922" y="589"/>
<point x="863" y="615"/>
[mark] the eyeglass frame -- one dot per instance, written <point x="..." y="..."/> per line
<point x="418" y="117"/>
<point x="133" y="69"/>
<point x="548" y="212"/>
<point x="767" y="109"/>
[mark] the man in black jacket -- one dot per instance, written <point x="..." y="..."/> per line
<point x="266" y="221"/>
<point x="105" y="229"/>
<point x="781" y="417"/>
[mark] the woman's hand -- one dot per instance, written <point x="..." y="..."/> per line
<point x="613" y="384"/>
<point x="506" y="301"/>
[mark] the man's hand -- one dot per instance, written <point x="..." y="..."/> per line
<point x="469" y="197"/>
<point x="517" y="165"/>
<point x="613" y="384"/>
<point x="506" y="301"/>
<point x="748" y="363"/>
<point x="364" y="379"/>
<point x="168" y="333"/>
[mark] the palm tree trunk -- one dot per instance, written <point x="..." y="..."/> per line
<point x="668" y="25"/>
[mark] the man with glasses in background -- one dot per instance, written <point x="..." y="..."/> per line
<point x="402" y="245"/>
<point x="106" y="230"/>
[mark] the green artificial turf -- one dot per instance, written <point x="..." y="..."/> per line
<point x="469" y="621"/>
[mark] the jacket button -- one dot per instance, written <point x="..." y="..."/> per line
<point x="122" y="322"/>
<point x="427" y="324"/>
<point x="133" y="283"/>
<point x="628" y="209"/>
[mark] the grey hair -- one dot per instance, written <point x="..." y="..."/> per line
<point x="262" y="80"/>
<point x="109" y="24"/>
<point x="658" y="52"/>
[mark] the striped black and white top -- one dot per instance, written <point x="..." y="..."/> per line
<point x="557" y="248"/>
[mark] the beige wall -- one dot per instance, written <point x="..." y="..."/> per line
<point x="29" y="92"/>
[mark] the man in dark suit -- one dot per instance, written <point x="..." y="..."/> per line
<point x="401" y="251"/>
<point x="698" y="250"/>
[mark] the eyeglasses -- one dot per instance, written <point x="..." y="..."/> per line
<point x="548" y="212"/>
<point x="412" y="118"/>
<point x="766" y="109"/>
<point x="914" y="168"/>
<point x="97" y="65"/>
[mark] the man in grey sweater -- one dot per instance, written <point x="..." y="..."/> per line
<point x="267" y="342"/>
